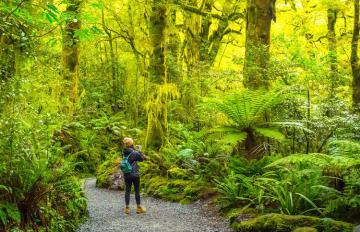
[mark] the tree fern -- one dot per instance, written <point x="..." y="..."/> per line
<point x="248" y="107"/>
<point x="247" y="110"/>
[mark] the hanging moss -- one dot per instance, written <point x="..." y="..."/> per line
<point x="288" y="223"/>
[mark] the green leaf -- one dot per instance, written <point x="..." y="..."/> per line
<point x="13" y="213"/>
<point x="53" y="8"/>
<point x="3" y="217"/>
<point x="224" y="129"/>
<point x="273" y="133"/>
<point x="233" y="138"/>
<point x="310" y="202"/>
<point x="48" y="17"/>
<point x="4" y="188"/>
<point x="97" y="5"/>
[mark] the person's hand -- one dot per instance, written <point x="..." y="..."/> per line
<point x="138" y="147"/>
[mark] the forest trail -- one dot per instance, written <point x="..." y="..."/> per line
<point x="105" y="209"/>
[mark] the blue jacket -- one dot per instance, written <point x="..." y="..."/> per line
<point x="134" y="157"/>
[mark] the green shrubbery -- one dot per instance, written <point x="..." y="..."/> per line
<point x="38" y="187"/>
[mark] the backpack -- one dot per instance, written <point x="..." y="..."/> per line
<point x="125" y="165"/>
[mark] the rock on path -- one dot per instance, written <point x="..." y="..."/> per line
<point x="105" y="208"/>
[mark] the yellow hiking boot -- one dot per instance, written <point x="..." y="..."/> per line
<point x="140" y="209"/>
<point x="127" y="210"/>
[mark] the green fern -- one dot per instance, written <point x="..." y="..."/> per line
<point x="344" y="148"/>
<point x="246" y="111"/>
<point x="336" y="164"/>
<point x="247" y="108"/>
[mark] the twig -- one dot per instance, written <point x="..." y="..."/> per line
<point x="17" y="7"/>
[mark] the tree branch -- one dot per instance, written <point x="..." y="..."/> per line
<point x="195" y="10"/>
<point x="12" y="12"/>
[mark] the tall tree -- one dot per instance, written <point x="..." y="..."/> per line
<point x="71" y="51"/>
<point x="355" y="66"/>
<point x="332" y="18"/>
<point x="157" y="26"/>
<point x="157" y="110"/>
<point x="113" y="61"/>
<point x="260" y="13"/>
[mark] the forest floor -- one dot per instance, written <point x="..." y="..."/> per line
<point x="105" y="209"/>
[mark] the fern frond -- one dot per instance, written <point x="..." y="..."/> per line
<point x="344" y="148"/>
<point x="248" y="107"/>
<point x="335" y="163"/>
<point x="233" y="138"/>
<point x="270" y="133"/>
<point x="297" y="125"/>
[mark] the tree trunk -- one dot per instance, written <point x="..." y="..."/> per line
<point x="173" y="64"/>
<point x="113" y="63"/>
<point x="258" y="25"/>
<point x="250" y="144"/>
<point x="355" y="59"/>
<point x="332" y="17"/>
<point x="7" y="58"/>
<point x="157" y="120"/>
<point x="71" y="53"/>
<point x="157" y="26"/>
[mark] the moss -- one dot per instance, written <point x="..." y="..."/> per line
<point x="305" y="229"/>
<point x="234" y="214"/>
<point x="178" y="173"/>
<point x="186" y="200"/>
<point x="104" y="171"/>
<point x="179" y="183"/>
<point x="287" y="223"/>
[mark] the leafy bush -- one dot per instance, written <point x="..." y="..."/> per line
<point x="38" y="188"/>
<point x="40" y="193"/>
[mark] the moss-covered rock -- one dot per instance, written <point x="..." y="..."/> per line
<point x="109" y="176"/>
<point x="287" y="223"/>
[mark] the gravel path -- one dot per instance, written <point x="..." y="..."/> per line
<point x="105" y="207"/>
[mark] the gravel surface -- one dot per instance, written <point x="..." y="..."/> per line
<point x="105" y="208"/>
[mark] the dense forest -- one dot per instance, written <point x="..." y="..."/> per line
<point x="253" y="104"/>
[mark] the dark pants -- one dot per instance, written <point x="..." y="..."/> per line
<point x="129" y="181"/>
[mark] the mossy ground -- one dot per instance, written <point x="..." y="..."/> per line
<point x="289" y="223"/>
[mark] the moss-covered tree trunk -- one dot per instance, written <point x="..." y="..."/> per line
<point x="157" y="26"/>
<point x="70" y="53"/>
<point x="173" y="46"/>
<point x="355" y="66"/>
<point x="7" y="57"/>
<point x="332" y="17"/>
<point x="260" y="13"/>
<point x="157" y="119"/>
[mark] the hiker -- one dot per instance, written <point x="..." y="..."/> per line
<point x="131" y="155"/>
